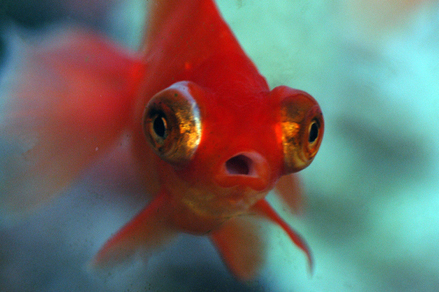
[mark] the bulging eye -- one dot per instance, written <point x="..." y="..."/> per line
<point x="302" y="128"/>
<point x="159" y="126"/>
<point x="172" y="123"/>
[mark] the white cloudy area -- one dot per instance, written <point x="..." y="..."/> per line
<point x="372" y="213"/>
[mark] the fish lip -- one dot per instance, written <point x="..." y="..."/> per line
<point x="256" y="178"/>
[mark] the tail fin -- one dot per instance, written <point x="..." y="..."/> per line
<point x="63" y="102"/>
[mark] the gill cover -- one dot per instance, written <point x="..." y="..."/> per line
<point x="302" y="128"/>
<point x="172" y="122"/>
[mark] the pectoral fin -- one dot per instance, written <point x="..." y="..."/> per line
<point x="242" y="245"/>
<point x="289" y="190"/>
<point x="147" y="231"/>
<point x="264" y="209"/>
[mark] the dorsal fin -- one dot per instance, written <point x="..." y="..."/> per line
<point x="186" y="20"/>
<point x="183" y="36"/>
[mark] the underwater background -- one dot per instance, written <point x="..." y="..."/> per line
<point x="372" y="193"/>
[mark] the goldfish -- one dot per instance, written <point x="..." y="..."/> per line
<point x="208" y="136"/>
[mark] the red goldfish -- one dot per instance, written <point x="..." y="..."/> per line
<point x="210" y="139"/>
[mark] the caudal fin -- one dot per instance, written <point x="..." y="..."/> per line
<point x="63" y="102"/>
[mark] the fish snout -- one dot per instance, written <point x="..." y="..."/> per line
<point x="246" y="169"/>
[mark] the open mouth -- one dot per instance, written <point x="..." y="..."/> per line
<point x="245" y="169"/>
<point x="240" y="165"/>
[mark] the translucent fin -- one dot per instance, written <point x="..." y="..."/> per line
<point x="289" y="189"/>
<point x="185" y="23"/>
<point x="264" y="209"/>
<point x="63" y="102"/>
<point x="161" y="11"/>
<point x="242" y="245"/>
<point x="144" y="233"/>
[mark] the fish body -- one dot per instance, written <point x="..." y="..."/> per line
<point x="209" y="137"/>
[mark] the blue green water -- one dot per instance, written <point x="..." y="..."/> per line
<point x="372" y="193"/>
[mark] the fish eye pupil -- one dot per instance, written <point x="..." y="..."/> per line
<point x="159" y="125"/>
<point x="313" y="132"/>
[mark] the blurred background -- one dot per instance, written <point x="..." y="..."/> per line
<point x="372" y="193"/>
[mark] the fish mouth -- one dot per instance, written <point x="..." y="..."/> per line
<point x="240" y="165"/>
<point x="244" y="170"/>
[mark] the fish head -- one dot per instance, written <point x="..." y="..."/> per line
<point x="222" y="148"/>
